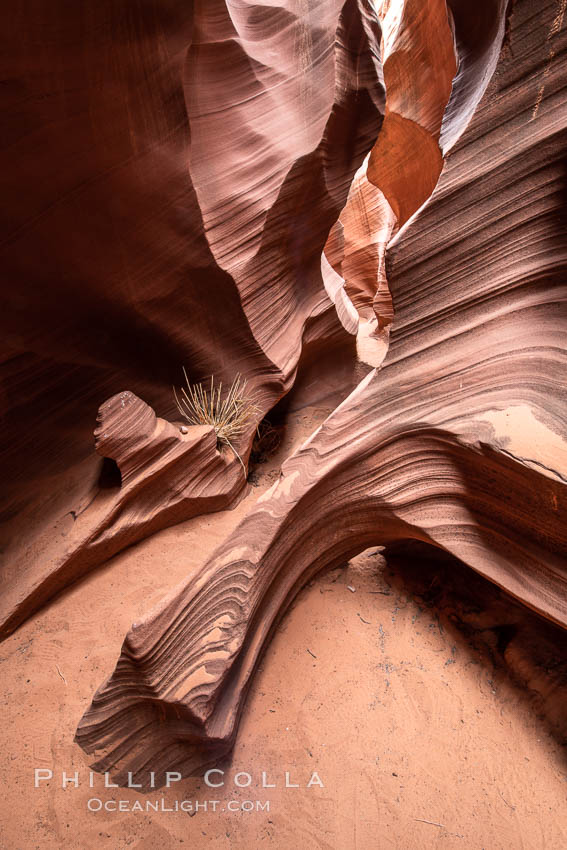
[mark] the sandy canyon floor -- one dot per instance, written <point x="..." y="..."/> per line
<point x="419" y="738"/>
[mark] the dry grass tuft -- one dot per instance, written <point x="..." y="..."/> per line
<point x="228" y="415"/>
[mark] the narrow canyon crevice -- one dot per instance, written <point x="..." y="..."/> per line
<point x="359" y="209"/>
<point x="154" y="291"/>
<point x="456" y="441"/>
<point x="380" y="119"/>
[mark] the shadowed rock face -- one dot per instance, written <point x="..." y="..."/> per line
<point x="172" y="172"/>
<point x="258" y="164"/>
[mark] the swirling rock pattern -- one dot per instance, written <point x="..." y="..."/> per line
<point x="432" y="86"/>
<point x="172" y="172"/>
<point x="457" y="442"/>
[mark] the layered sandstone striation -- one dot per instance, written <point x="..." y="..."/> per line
<point x="171" y="177"/>
<point x="166" y="475"/>
<point x="457" y="442"/>
<point x="237" y="187"/>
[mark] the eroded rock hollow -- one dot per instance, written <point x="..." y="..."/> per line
<point x="376" y="187"/>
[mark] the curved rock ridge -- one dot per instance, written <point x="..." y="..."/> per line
<point x="295" y="78"/>
<point x="401" y="171"/>
<point x="435" y="72"/>
<point x="458" y="442"/>
<point x="172" y="175"/>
